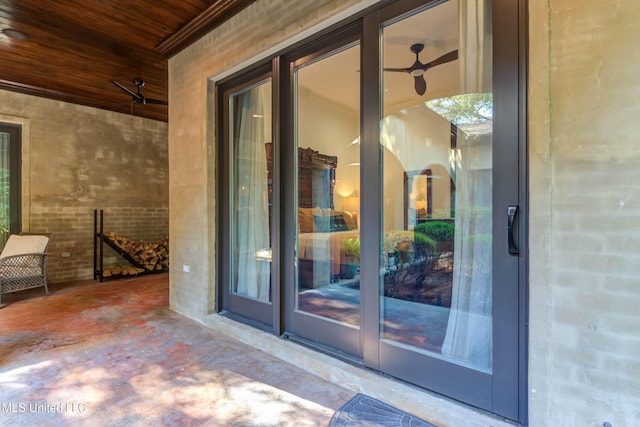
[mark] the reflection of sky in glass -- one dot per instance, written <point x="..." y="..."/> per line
<point x="469" y="108"/>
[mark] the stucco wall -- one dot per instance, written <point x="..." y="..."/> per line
<point x="585" y="213"/>
<point x="76" y="159"/>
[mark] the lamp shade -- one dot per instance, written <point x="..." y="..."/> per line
<point x="351" y="204"/>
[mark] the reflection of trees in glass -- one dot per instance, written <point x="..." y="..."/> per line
<point x="469" y="108"/>
<point x="4" y="198"/>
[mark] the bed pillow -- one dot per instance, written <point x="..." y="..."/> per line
<point x="305" y="220"/>
<point x="350" y="220"/>
<point x="323" y="224"/>
<point x="346" y="217"/>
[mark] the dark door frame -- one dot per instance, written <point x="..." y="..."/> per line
<point x="259" y="313"/>
<point x="509" y="385"/>
<point x="299" y="326"/>
<point x="504" y="391"/>
<point x="15" y="167"/>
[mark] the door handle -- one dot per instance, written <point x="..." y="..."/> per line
<point x="512" y="211"/>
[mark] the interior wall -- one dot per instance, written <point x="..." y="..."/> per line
<point x="409" y="136"/>
<point x="76" y="159"/>
<point x="334" y="140"/>
<point x="584" y="213"/>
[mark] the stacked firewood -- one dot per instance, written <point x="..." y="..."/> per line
<point x="145" y="256"/>
<point x="122" y="270"/>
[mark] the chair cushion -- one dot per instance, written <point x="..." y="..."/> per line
<point x="17" y="245"/>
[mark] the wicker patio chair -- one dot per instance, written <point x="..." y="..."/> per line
<point x="23" y="263"/>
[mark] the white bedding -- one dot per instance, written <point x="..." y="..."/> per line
<point x="324" y="250"/>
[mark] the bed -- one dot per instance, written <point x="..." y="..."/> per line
<point x="322" y="253"/>
<point x="323" y="230"/>
<point x="320" y="242"/>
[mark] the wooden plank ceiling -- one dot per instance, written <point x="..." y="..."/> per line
<point x="72" y="50"/>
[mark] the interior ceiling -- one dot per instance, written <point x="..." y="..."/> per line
<point x="74" y="49"/>
<point x="436" y="28"/>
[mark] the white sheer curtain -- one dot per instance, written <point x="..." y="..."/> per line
<point x="469" y="336"/>
<point x="251" y="212"/>
<point x="476" y="46"/>
<point x="5" y="223"/>
<point x="469" y="329"/>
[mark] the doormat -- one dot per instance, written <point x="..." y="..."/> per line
<point x="366" y="411"/>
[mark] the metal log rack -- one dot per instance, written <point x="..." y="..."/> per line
<point x="99" y="241"/>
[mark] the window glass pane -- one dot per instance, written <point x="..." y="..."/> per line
<point x="5" y="203"/>
<point x="250" y="136"/>
<point x="436" y="138"/>
<point x="328" y="186"/>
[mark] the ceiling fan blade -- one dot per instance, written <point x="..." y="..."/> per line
<point x="398" y="70"/>
<point x="155" y="101"/>
<point x="124" y="89"/>
<point x="447" y="57"/>
<point x="420" y="85"/>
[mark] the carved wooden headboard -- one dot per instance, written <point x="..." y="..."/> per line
<point x="316" y="177"/>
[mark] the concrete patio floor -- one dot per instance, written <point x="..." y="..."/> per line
<point x="113" y="354"/>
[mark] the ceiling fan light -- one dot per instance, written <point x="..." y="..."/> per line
<point x="417" y="73"/>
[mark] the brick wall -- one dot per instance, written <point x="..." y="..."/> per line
<point x="77" y="159"/>
<point x="71" y="230"/>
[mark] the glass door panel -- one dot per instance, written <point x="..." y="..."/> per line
<point x="327" y="124"/>
<point x="437" y="167"/>
<point x="328" y="186"/>
<point x="250" y="201"/>
<point x="442" y="255"/>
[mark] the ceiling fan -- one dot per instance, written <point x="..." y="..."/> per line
<point x="418" y="69"/>
<point x="138" y="98"/>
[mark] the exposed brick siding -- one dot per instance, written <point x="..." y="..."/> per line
<point x="77" y="159"/>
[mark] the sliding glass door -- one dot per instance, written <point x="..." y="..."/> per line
<point x="446" y="159"/>
<point x="437" y="149"/>
<point x="372" y="197"/>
